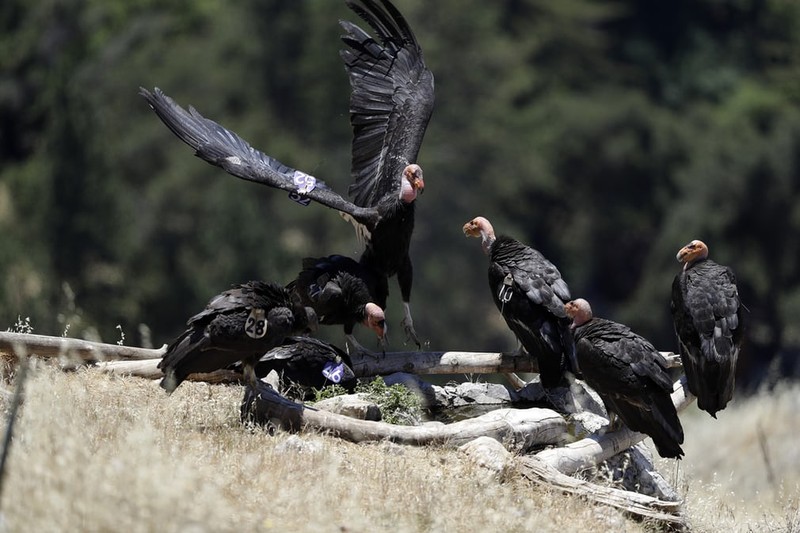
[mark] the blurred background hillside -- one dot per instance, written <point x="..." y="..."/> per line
<point x="605" y="134"/>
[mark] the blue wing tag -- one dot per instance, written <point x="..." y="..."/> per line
<point x="334" y="372"/>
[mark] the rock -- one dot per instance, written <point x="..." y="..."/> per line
<point x="634" y="469"/>
<point x="532" y="392"/>
<point x="487" y="453"/>
<point x="352" y="405"/>
<point x="585" y="423"/>
<point x="481" y="394"/>
<point x="297" y="444"/>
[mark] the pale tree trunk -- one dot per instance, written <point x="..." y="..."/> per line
<point x="595" y="449"/>
<point x="453" y="362"/>
<point x="519" y="429"/>
<point x="26" y="344"/>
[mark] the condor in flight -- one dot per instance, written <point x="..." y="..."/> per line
<point x="390" y="106"/>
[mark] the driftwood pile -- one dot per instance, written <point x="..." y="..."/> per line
<point x="505" y="440"/>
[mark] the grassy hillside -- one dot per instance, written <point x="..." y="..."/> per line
<point x="98" y="453"/>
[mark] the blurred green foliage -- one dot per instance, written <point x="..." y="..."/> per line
<point x="606" y="134"/>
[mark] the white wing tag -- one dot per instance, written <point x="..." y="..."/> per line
<point x="256" y="324"/>
<point x="305" y="184"/>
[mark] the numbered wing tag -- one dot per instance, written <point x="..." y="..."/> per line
<point x="333" y="372"/>
<point x="256" y="324"/>
<point x="300" y="199"/>
<point x="305" y="184"/>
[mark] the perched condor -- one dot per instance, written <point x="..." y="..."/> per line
<point x="390" y="105"/>
<point x="629" y="374"/>
<point x="708" y="319"/>
<point x="340" y="290"/>
<point x="308" y="363"/>
<point x="530" y="294"/>
<point x="241" y="324"/>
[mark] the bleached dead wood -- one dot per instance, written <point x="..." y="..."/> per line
<point x="542" y="473"/>
<point x="148" y="368"/>
<point x="518" y="429"/>
<point x="47" y="347"/>
<point x="443" y="363"/>
<point x="595" y="449"/>
<point x="455" y="362"/>
<point x="145" y="368"/>
<point x="452" y="362"/>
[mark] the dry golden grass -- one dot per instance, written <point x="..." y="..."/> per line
<point x="94" y="452"/>
<point x="724" y="477"/>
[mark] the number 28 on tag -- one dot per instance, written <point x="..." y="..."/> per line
<point x="256" y="324"/>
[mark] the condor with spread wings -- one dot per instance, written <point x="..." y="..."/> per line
<point x="390" y="106"/>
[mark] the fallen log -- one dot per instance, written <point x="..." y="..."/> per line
<point x="593" y="450"/>
<point x="456" y="362"/>
<point x="518" y="429"/>
<point x="450" y="362"/>
<point x="148" y="368"/>
<point x="443" y="363"/>
<point x="539" y="472"/>
<point x="87" y="351"/>
<point x="145" y="368"/>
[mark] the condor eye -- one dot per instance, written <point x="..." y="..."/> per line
<point x="382" y="323"/>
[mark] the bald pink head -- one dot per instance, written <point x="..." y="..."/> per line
<point x="691" y="253"/>
<point x="375" y="319"/>
<point x="411" y="184"/>
<point x="480" y="227"/>
<point x="579" y="311"/>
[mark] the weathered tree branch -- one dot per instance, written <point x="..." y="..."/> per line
<point x="593" y="450"/>
<point x="542" y="473"/>
<point x="453" y="362"/>
<point x="443" y="363"/>
<point x="46" y="346"/>
<point x="148" y="368"/>
<point x="519" y="429"/>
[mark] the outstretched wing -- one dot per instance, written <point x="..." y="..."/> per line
<point x="391" y="102"/>
<point x="225" y="149"/>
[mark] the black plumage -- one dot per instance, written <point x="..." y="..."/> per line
<point x="630" y="375"/>
<point x="709" y="323"/>
<point x="308" y="363"/>
<point x="240" y="324"/>
<point x="342" y="291"/>
<point x="390" y="106"/>
<point x="530" y="294"/>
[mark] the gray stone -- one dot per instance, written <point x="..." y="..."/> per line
<point x="487" y="453"/>
<point x="352" y="405"/>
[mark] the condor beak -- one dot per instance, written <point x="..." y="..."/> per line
<point x="419" y="184"/>
<point x="469" y="229"/>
